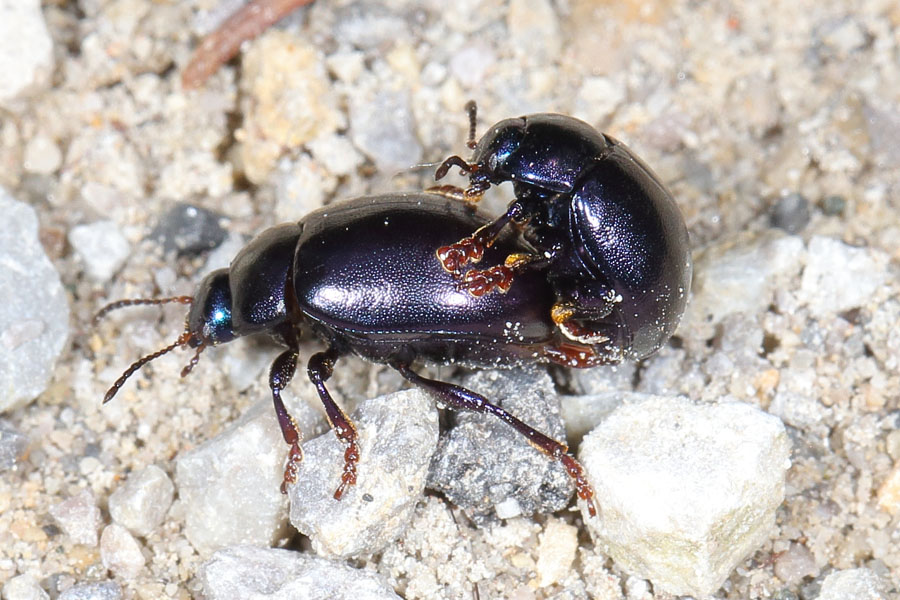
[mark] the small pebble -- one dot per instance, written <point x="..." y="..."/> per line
<point x="556" y="552"/>
<point x="26" y="49"/>
<point x="654" y="462"/>
<point x="101" y="247"/>
<point x="34" y="310"/>
<point x="383" y="128"/>
<point x="188" y="230"/>
<point x="120" y="552"/>
<point x="398" y="433"/>
<point x="795" y="563"/>
<point x="270" y="573"/>
<point x="141" y="503"/>
<point x="367" y="26"/>
<point x="24" y="587"/>
<point x="833" y="205"/>
<point x="99" y="590"/>
<point x="853" y="584"/>
<point x="42" y="156"/>
<point x="13" y="444"/>
<point x="78" y="517"/>
<point x="791" y="213"/>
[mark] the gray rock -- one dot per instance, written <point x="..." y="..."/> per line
<point x="79" y="518"/>
<point x="101" y="247"/>
<point x="398" y="434"/>
<point x="99" y="590"/>
<point x="120" y="552"/>
<point x="34" y="312"/>
<point x="187" y="229"/>
<point x="12" y="445"/>
<point x="853" y="584"/>
<point x="26" y="49"/>
<point x="791" y="213"/>
<point x="652" y="464"/>
<point x="229" y="486"/>
<point x="382" y="127"/>
<point x="141" y="503"/>
<point x="273" y="574"/>
<point x="24" y="587"/>
<point x="485" y="467"/>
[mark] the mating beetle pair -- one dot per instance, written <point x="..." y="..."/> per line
<point x="363" y="277"/>
<point x="608" y="233"/>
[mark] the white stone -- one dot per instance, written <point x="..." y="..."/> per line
<point x="24" y="587"/>
<point x="42" y="156"/>
<point x="398" y="434"/>
<point x="685" y="491"/>
<point x="120" y="552"/>
<point x="274" y="574"/>
<point x="839" y="277"/>
<point x="102" y="248"/>
<point x="26" y="49"/>
<point x="141" y="503"/>
<point x="34" y="310"/>
<point x="556" y="552"/>
<point x="78" y="517"/>
<point x="229" y="486"/>
<point x="853" y="584"/>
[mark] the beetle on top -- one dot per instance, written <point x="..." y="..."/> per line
<point x="607" y="232"/>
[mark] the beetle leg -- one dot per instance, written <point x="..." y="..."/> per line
<point x="280" y="375"/>
<point x="471" y="249"/>
<point x="460" y="398"/>
<point x="319" y="369"/>
<point x="454" y="161"/>
<point x="454" y="192"/>
<point x="579" y="356"/>
<point x="587" y="323"/>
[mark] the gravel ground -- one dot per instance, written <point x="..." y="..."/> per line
<point x="776" y="127"/>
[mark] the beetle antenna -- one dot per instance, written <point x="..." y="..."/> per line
<point x="472" y="109"/>
<point x="139" y="301"/>
<point x="194" y="359"/>
<point x="181" y="341"/>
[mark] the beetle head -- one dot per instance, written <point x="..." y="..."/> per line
<point x="208" y="323"/>
<point x="495" y="149"/>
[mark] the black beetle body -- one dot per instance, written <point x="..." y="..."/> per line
<point x="361" y="276"/>
<point x="611" y="237"/>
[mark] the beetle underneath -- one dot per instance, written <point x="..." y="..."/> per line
<point x="361" y="276"/>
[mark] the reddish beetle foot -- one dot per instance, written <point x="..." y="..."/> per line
<point x="478" y="282"/>
<point x="582" y="486"/>
<point x="455" y="256"/>
<point x="348" y="478"/>
<point x="295" y="457"/>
